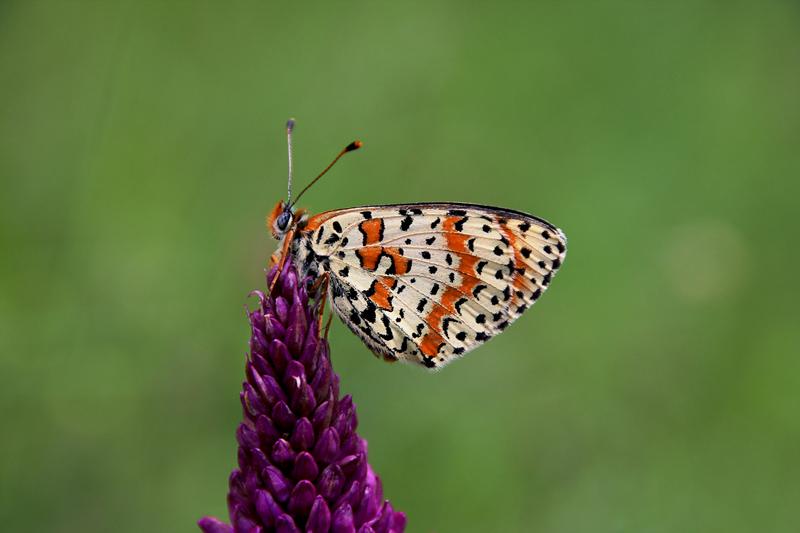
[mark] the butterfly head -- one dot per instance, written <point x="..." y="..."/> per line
<point x="283" y="217"/>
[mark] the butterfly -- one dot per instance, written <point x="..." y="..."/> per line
<point x="421" y="283"/>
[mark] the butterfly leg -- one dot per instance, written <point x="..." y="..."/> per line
<point x="287" y="240"/>
<point x="322" y="283"/>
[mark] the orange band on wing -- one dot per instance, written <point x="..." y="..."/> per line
<point x="372" y="230"/>
<point x="430" y="343"/>
<point x="381" y="295"/>
<point x="370" y="256"/>
<point x="401" y="264"/>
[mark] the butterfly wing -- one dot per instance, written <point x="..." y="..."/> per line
<point x="426" y="283"/>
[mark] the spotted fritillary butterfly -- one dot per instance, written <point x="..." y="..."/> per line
<point x="422" y="283"/>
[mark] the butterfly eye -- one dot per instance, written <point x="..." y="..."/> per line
<point x="283" y="220"/>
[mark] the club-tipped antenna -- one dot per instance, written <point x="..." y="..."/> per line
<point x="289" y="126"/>
<point x="350" y="147"/>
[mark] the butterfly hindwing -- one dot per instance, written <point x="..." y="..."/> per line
<point x="426" y="283"/>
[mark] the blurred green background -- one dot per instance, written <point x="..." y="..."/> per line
<point x="656" y="386"/>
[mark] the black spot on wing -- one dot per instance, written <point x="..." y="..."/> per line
<point x="459" y="226"/>
<point x="337" y="227"/>
<point x="366" y="214"/>
<point x="368" y="314"/>
<point x="446" y="324"/>
<point x="388" y="335"/>
<point x="336" y="288"/>
<point x="406" y="223"/>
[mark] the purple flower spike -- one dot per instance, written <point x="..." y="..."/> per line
<point x="302" y="466"/>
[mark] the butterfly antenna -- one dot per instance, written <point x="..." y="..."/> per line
<point x="350" y="147"/>
<point x="289" y="127"/>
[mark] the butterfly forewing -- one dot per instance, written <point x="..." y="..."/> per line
<point x="425" y="283"/>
